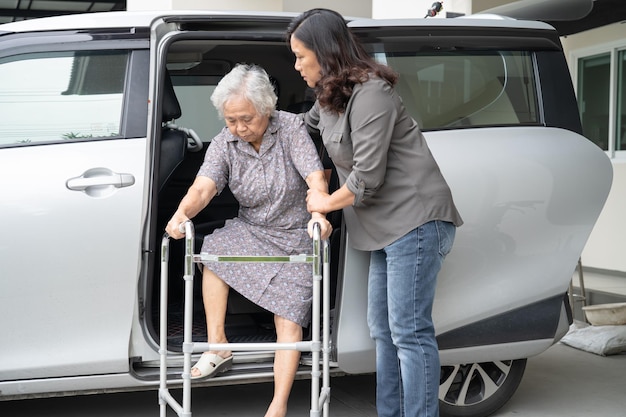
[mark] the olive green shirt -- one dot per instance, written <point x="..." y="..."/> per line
<point x="382" y="157"/>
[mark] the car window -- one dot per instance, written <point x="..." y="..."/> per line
<point x="451" y="89"/>
<point x="194" y="95"/>
<point x="61" y="96"/>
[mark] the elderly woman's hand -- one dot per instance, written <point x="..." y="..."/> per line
<point x="173" y="227"/>
<point x="325" y="226"/>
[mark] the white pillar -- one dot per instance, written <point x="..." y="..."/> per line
<point x="132" y="5"/>
<point x="264" y="5"/>
<point x="396" y="9"/>
<point x="353" y="8"/>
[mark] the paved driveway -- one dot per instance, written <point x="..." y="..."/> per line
<point x="561" y="382"/>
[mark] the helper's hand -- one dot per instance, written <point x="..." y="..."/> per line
<point x="317" y="201"/>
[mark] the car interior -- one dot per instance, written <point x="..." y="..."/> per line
<point x="187" y="87"/>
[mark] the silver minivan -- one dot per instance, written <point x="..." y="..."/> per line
<point x="105" y="119"/>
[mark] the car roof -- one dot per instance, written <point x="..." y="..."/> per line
<point x="125" y="19"/>
<point x="121" y="19"/>
<point x="475" y="21"/>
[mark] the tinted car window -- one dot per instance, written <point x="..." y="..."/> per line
<point x="193" y="94"/>
<point x="466" y="88"/>
<point x="60" y="96"/>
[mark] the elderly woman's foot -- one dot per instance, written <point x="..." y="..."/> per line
<point x="211" y="364"/>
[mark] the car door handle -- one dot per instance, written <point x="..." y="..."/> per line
<point x="99" y="177"/>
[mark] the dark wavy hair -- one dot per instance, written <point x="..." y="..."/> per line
<point x="341" y="56"/>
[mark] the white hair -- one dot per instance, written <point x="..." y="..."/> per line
<point x="250" y="82"/>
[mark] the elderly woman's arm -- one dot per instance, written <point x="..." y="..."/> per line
<point x="198" y="197"/>
<point x="317" y="181"/>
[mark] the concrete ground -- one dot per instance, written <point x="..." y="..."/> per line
<point x="567" y="382"/>
<point x="561" y="382"/>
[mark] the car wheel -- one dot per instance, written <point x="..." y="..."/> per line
<point x="478" y="389"/>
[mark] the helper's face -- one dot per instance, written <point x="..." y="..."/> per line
<point x="243" y="120"/>
<point x="306" y="62"/>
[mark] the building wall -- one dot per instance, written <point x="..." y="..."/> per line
<point x="605" y="249"/>
<point x="478" y="5"/>
<point x="355" y="8"/>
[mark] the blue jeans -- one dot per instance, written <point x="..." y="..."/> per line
<point x="401" y="289"/>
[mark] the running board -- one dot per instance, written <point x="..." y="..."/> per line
<point x="246" y="372"/>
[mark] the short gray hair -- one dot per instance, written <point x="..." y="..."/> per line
<point x="249" y="81"/>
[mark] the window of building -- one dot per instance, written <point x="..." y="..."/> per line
<point x="601" y="94"/>
<point x="593" y="97"/>
<point x="621" y="101"/>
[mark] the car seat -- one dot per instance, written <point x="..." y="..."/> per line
<point x="175" y="140"/>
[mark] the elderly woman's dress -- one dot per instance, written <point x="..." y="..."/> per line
<point x="272" y="220"/>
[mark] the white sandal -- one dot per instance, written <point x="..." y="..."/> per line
<point x="211" y="364"/>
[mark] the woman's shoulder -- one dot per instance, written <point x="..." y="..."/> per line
<point x="223" y="136"/>
<point x="286" y="117"/>
<point x="284" y="120"/>
<point x="374" y="85"/>
<point x="375" y="92"/>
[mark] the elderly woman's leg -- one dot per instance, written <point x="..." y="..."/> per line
<point x="215" y="297"/>
<point x="285" y="366"/>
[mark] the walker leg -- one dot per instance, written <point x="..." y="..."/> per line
<point x="319" y="343"/>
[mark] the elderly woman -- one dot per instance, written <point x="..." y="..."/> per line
<point x="269" y="162"/>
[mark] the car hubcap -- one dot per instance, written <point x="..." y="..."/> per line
<point x="468" y="384"/>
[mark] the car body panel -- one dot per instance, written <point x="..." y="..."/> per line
<point x="68" y="315"/>
<point x="541" y="208"/>
<point x="528" y="212"/>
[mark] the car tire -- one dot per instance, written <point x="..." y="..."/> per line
<point x="478" y="389"/>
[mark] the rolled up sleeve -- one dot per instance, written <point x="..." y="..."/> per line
<point x="370" y="115"/>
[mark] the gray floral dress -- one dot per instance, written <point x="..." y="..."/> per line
<point x="272" y="219"/>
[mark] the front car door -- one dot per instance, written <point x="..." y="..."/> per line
<point x="72" y="162"/>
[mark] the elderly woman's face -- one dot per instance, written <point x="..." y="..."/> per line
<point x="243" y="120"/>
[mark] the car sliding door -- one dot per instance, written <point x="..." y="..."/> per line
<point x="72" y="162"/>
<point x="498" y="111"/>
